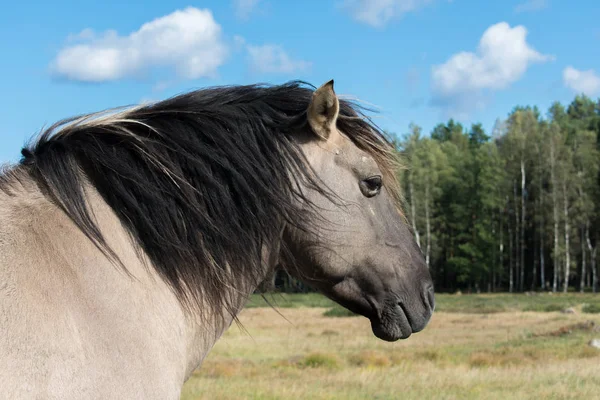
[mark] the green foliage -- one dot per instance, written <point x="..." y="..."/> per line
<point x="518" y="209"/>
<point x="591" y="308"/>
<point x="492" y="303"/>
<point x="320" y="360"/>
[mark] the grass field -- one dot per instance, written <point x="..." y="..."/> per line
<point x="476" y="347"/>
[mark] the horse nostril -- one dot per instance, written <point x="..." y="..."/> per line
<point x="429" y="295"/>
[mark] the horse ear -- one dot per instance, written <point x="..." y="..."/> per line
<point x="323" y="110"/>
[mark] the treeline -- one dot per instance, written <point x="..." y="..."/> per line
<point x="515" y="209"/>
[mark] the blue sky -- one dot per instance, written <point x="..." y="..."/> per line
<point x="419" y="61"/>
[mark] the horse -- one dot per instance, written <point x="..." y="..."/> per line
<point x="132" y="238"/>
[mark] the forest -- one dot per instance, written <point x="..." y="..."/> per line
<point x="516" y="209"/>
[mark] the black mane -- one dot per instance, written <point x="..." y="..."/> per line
<point x="200" y="181"/>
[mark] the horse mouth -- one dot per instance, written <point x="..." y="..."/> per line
<point x="392" y="324"/>
<point x="391" y="319"/>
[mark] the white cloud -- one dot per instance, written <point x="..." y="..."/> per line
<point x="244" y="8"/>
<point x="377" y="13"/>
<point x="502" y="57"/>
<point x="187" y="40"/>
<point x="531" y="6"/>
<point x="586" y="82"/>
<point x="270" y="58"/>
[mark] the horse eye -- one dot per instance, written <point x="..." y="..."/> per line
<point x="371" y="186"/>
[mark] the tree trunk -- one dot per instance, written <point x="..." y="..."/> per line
<point x="516" y="238"/>
<point x="535" y="267"/>
<point x="541" y="212"/>
<point x="592" y="251"/>
<point x="555" y="216"/>
<point x="542" y="261"/>
<point x="510" y="261"/>
<point x="522" y="242"/>
<point x="588" y="278"/>
<point x="501" y="251"/>
<point x="594" y="271"/>
<point x="583" y="257"/>
<point x="567" y="255"/>
<point x="413" y="208"/>
<point x="493" y="263"/>
<point x="428" y="226"/>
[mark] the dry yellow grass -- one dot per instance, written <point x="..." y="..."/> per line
<point x="516" y="355"/>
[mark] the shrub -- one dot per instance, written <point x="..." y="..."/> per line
<point x="591" y="308"/>
<point x="320" y="360"/>
<point x="553" y="307"/>
<point x="370" y="358"/>
<point x="484" y="359"/>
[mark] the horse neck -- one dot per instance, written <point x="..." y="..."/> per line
<point x="198" y="328"/>
<point x="76" y="275"/>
